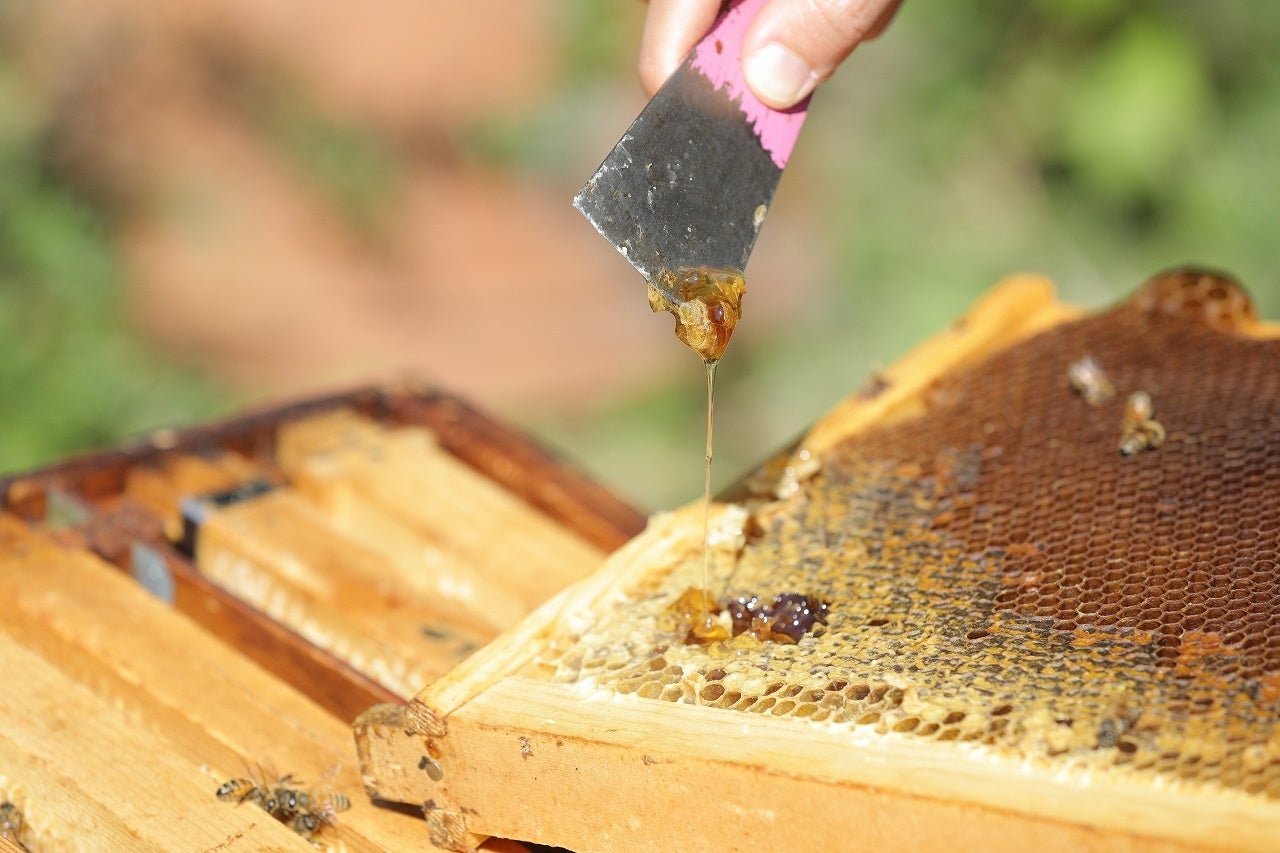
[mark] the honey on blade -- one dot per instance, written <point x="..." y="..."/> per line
<point x="707" y="311"/>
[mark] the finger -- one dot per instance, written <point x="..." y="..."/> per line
<point x="793" y="45"/>
<point x="671" y="29"/>
<point x="886" y="18"/>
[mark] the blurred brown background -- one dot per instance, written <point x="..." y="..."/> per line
<point x="211" y="204"/>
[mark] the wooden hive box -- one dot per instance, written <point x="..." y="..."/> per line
<point x="288" y="569"/>
<point x="1031" y="640"/>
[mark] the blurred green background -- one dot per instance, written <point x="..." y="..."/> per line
<point x="1096" y="141"/>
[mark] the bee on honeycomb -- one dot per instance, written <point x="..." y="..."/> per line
<point x="1139" y="431"/>
<point x="1090" y="381"/>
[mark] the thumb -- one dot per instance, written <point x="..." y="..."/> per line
<point x="793" y="45"/>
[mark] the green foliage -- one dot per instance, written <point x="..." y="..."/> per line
<point x="1096" y="141"/>
<point x="598" y="44"/>
<point x="597" y="40"/>
<point x="71" y="375"/>
<point x="1137" y="110"/>
<point x="351" y="166"/>
<point x="537" y="142"/>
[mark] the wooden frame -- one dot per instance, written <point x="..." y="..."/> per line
<point x="115" y="527"/>
<point x="127" y="716"/>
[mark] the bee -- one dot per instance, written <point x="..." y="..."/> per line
<point x="12" y="824"/>
<point x="322" y="812"/>
<point x="1139" y="431"/>
<point x="1090" y="381"/>
<point x="11" y="820"/>
<point x="283" y="802"/>
<point x="309" y="824"/>
<point x="288" y="800"/>
<point x="240" y="790"/>
<point x="337" y="801"/>
<point x="276" y="798"/>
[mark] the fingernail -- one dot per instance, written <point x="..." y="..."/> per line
<point x="778" y="76"/>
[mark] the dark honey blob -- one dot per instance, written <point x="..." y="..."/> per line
<point x="784" y="619"/>
<point x="793" y="615"/>
<point x="707" y="304"/>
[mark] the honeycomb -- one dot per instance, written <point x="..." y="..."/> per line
<point x="1001" y="577"/>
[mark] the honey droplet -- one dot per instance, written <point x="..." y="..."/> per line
<point x="708" y="308"/>
<point x="697" y="617"/>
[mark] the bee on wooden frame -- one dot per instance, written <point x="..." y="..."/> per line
<point x="307" y="811"/>
<point x="276" y="798"/>
<point x="284" y="801"/>
<point x="321" y="812"/>
<point x="12" y="824"/>
<point x="11" y="820"/>
<point x="240" y="790"/>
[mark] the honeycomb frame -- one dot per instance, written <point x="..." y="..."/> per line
<point x="1010" y="596"/>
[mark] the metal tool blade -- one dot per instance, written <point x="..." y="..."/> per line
<point x="690" y="182"/>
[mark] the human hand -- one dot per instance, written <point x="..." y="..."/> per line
<point x="790" y="47"/>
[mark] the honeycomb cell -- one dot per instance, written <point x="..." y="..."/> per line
<point x="831" y="701"/>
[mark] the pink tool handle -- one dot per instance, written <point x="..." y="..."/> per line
<point x="718" y="57"/>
